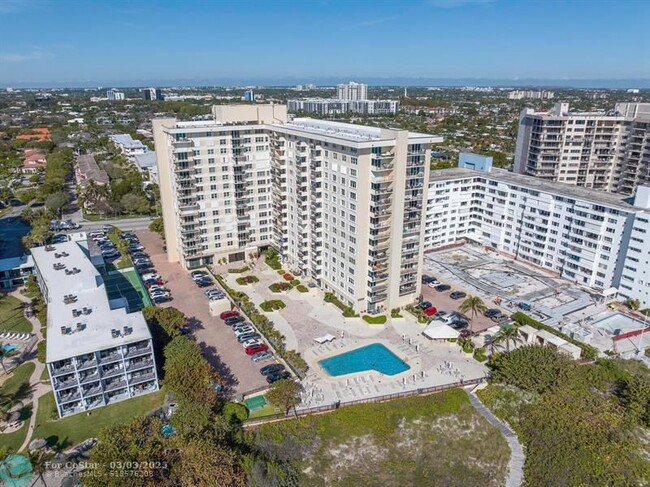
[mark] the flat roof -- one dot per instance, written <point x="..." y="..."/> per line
<point x="542" y="185"/>
<point x="87" y="285"/>
<point x="148" y="159"/>
<point x="345" y="131"/>
<point x="126" y="140"/>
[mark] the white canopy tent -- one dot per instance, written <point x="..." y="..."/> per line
<point x="324" y="338"/>
<point x="437" y="330"/>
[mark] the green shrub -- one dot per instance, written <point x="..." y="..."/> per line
<point x="242" y="281"/>
<point x="272" y="259"/>
<point x="281" y="271"/>
<point x="239" y="270"/>
<point x="278" y="287"/>
<point x="588" y="352"/>
<point x="479" y="354"/>
<point x="41" y="351"/>
<point x="272" y="305"/>
<point x="295" y="282"/>
<point x="395" y="313"/>
<point x="302" y="289"/>
<point x="348" y="312"/>
<point x="374" y="320"/>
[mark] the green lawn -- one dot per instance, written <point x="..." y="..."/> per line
<point x="13" y="441"/>
<point x="374" y="320"/>
<point x="11" y="316"/>
<point x="71" y="430"/>
<point x="20" y="375"/>
<point x="45" y="375"/>
<point x="429" y="440"/>
<point x="268" y="410"/>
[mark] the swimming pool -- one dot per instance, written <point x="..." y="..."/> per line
<point x="619" y="321"/>
<point x="371" y="357"/>
<point x="9" y="347"/>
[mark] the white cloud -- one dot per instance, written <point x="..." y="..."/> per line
<point x="457" y="3"/>
<point x="15" y="57"/>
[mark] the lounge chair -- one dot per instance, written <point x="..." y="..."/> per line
<point x="11" y="337"/>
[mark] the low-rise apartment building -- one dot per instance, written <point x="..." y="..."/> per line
<point x="344" y="204"/>
<point x="98" y="352"/>
<point x="582" y="235"/>
<point x="128" y="146"/>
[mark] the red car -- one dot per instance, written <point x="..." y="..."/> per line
<point x="430" y="311"/>
<point x="228" y="314"/>
<point x="158" y="282"/>
<point x="253" y="349"/>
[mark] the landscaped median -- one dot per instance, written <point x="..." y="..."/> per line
<point x="242" y="281"/>
<point x="348" y="311"/>
<point x="375" y="320"/>
<point x="273" y="336"/>
<point x="272" y="305"/>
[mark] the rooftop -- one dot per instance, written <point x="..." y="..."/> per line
<point x="125" y="140"/>
<point x="88" y="169"/>
<point x="542" y="185"/>
<point x="148" y="159"/>
<point x="345" y="131"/>
<point x="78" y="277"/>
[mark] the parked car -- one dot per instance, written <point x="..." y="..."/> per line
<point x="213" y="290"/>
<point x="139" y="255"/>
<point x="500" y="317"/>
<point x="234" y="320"/>
<point x="111" y="254"/>
<point x="271" y="378"/>
<point x="134" y="248"/>
<point x="148" y="276"/>
<point x="433" y="284"/>
<point x="244" y="331"/>
<point x="439" y="314"/>
<point x="424" y="305"/>
<point x="248" y="336"/>
<point x="457" y="295"/>
<point x="198" y="275"/>
<point x="228" y="314"/>
<point x="252" y="342"/>
<point x="442" y="287"/>
<point x="161" y="299"/>
<point x="458" y="324"/>
<point x="203" y="282"/>
<point x="216" y="297"/>
<point x="153" y="282"/>
<point x="428" y="279"/>
<point x="160" y="294"/>
<point x="430" y="311"/>
<point x="258" y="357"/>
<point x="253" y="349"/>
<point x="491" y="312"/>
<point x="271" y="369"/>
<point x="158" y="287"/>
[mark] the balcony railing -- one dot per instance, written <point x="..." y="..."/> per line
<point x="139" y="365"/>
<point x="112" y="372"/>
<point x="89" y="378"/>
<point x="66" y="369"/>
<point x="107" y="359"/>
<point x="86" y="364"/>
<point x="138" y="378"/>
<point x="114" y="385"/>
<point x="63" y="398"/>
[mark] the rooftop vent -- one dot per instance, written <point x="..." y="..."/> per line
<point x="66" y="330"/>
<point x="58" y="266"/>
<point x="128" y="330"/>
<point x="81" y="326"/>
<point x="87" y="310"/>
<point x="115" y="333"/>
<point x="69" y="299"/>
<point x="49" y="248"/>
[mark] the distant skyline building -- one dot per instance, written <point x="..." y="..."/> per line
<point x="331" y="106"/>
<point x="352" y="91"/>
<point x="114" y="95"/>
<point x="249" y="95"/>
<point x="601" y="150"/>
<point x="152" y="94"/>
<point x="531" y="95"/>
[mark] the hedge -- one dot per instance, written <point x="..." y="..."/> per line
<point x="479" y="354"/>
<point x="302" y="289"/>
<point x="278" y="287"/>
<point x="395" y="313"/>
<point x="272" y="259"/>
<point x="375" y="320"/>
<point x="272" y="305"/>
<point x="242" y="281"/>
<point x="294" y="282"/>
<point x="239" y="270"/>
<point x="348" y="312"/>
<point x="588" y="352"/>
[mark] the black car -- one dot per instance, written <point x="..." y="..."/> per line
<point x="425" y="305"/>
<point x="161" y="299"/>
<point x="271" y="378"/>
<point x="271" y="369"/>
<point x="489" y="313"/>
<point x="234" y="320"/>
<point x="457" y="295"/>
<point x="203" y="282"/>
<point x="442" y="287"/>
<point x="459" y="324"/>
<point x="428" y="279"/>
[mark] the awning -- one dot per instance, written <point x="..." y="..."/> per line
<point x="437" y="330"/>
<point x="324" y="338"/>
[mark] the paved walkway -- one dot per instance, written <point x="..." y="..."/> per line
<point x="38" y="389"/>
<point x="517" y="456"/>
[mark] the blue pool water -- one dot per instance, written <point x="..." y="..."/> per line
<point x="10" y="348"/>
<point x="371" y="357"/>
<point x="167" y="430"/>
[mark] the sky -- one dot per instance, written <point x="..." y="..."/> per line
<point x="92" y="41"/>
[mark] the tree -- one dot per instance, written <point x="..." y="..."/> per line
<point x="55" y="202"/>
<point x="473" y="305"/>
<point x="187" y="373"/>
<point x="634" y="395"/>
<point x="285" y="393"/>
<point x="135" y="203"/>
<point x="633" y="304"/>
<point x="157" y="226"/>
<point x="505" y="336"/>
<point x="40" y="464"/>
<point x="533" y="368"/>
<point x="3" y="355"/>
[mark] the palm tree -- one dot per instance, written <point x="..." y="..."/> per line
<point x="506" y="336"/>
<point x="3" y="355"/>
<point x="40" y="463"/>
<point x="473" y="305"/>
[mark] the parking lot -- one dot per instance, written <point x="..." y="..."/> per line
<point x="216" y="339"/>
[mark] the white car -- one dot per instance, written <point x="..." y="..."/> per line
<point x="156" y="287"/>
<point x="433" y="284"/>
<point x="146" y="277"/>
<point x="244" y="330"/>
<point x="252" y="341"/>
<point x="159" y="294"/>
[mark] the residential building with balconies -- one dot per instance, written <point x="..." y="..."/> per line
<point x="98" y="352"/>
<point x="599" y="150"/>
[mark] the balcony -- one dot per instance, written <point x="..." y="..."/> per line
<point x="113" y="385"/>
<point x="95" y="403"/>
<point x="377" y="298"/>
<point x="118" y="397"/>
<point x="111" y="357"/>
<point x="73" y="396"/>
<point x="71" y="409"/>
<point x="115" y="371"/>
<point x="138" y="378"/>
<point x="89" y="378"/>
<point x="91" y="391"/>
<point x="65" y="384"/>
<point x="143" y="389"/>
<point x="139" y="364"/>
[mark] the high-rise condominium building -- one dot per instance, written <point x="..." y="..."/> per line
<point x="352" y="91"/>
<point x="344" y="204"/>
<point x="114" y="95"/>
<point x="600" y="150"/>
<point x="593" y="238"/>
<point x="530" y="94"/>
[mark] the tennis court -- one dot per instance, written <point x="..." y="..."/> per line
<point x="127" y="284"/>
